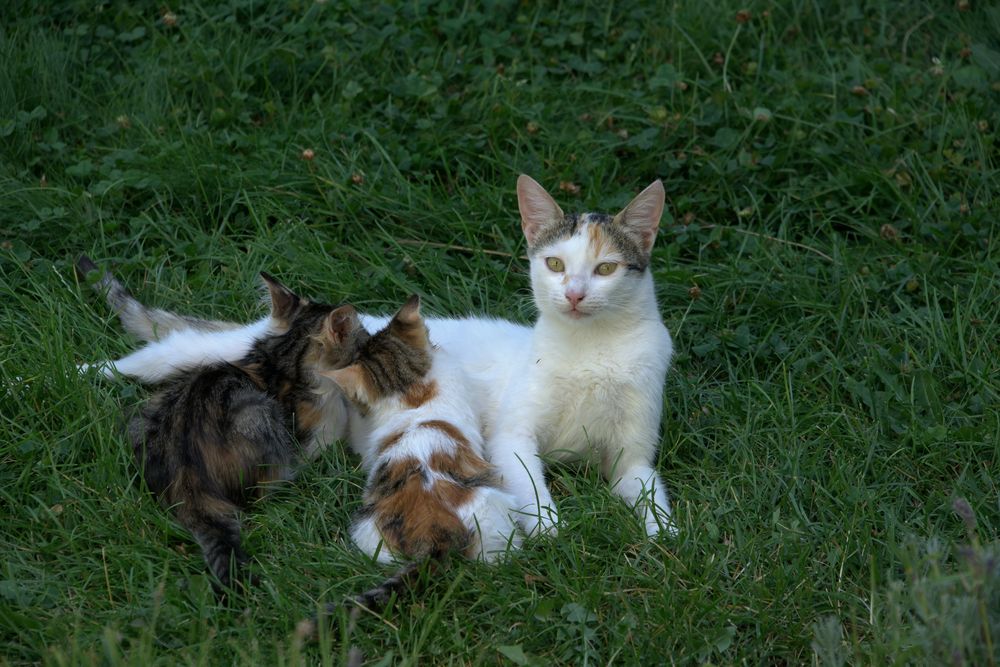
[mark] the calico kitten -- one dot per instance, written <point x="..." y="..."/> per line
<point x="429" y="493"/>
<point x="216" y="438"/>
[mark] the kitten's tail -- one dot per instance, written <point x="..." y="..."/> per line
<point x="211" y="519"/>
<point x="148" y="324"/>
<point x="375" y="600"/>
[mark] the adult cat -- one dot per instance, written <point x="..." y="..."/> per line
<point x="585" y="382"/>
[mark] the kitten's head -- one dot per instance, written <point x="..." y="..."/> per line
<point x="318" y="336"/>
<point x="391" y="362"/>
<point x="587" y="265"/>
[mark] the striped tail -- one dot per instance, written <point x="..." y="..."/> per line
<point x="148" y="324"/>
<point x="375" y="600"/>
<point x="214" y="526"/>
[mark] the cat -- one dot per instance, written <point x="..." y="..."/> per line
<point x="585" y="381"/>
<point x="429" y="491"/>
<point x="220" y="435"/>
<point x="591" y="383"/>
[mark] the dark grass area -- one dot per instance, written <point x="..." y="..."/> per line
<point x="827" y="264"/>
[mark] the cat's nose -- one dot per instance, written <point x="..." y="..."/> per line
<point x="575" y="296"/>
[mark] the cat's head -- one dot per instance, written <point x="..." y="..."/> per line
<point x="391" y="363"/>
<point x="318" y="336"/>
<point x="589" y="265"/>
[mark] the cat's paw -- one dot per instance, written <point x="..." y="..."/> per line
<point x="667" y="529"/>
<point x="539" y="521"/>
<point x="660" y="524"/>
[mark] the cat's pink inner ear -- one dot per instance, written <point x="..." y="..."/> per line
<point x="641" y="217"/>
<point x="283" y="300"/>
<point x="538" y="209"/>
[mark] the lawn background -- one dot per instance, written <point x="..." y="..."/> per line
<point x="827" y="264"/>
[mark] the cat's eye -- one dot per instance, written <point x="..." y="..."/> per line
<point x="555" y="264"/>
<point x="606" y="268"/>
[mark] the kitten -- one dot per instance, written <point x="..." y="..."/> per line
<point x="586" y="381"/>
<point x="429" y="491"/>
<point x="216" y="438"/>
<point x="591" y="383"/>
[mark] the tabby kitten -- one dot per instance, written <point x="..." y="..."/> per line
<point x="214" y="439"/>
<point x="429" y="491"/>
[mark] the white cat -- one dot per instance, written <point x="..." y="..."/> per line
<point x="585" y="382"/>
<point x="591" y="383"/>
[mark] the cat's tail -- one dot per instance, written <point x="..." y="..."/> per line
<point x="212" y="520"/>
<point x="148" y="324"/>
<point x="376" y="599"/>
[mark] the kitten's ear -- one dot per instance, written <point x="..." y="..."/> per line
<point x="642" y="215"/>
<point x="538" y="209"/>
<point x="408" y="325"/>
<point x="409" y="312"/>
<point x="353" y="381"/>
<point x="283" y="300"/>
<point x="340" y="324"/>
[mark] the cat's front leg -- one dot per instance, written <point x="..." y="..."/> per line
<point x="634" y="480"/>
<point x="515" y="455"/>
<point x="641" y="487"/>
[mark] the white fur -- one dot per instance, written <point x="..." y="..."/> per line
<point x="185" y="349"/>
<point x="488" y="512"/>
<point x="590" y="387"/>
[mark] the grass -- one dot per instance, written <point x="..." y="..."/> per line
<point x="828" y="266"/>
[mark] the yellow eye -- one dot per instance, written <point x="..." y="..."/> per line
<point x="606" y="268"/>
<point x="555" y="264"/>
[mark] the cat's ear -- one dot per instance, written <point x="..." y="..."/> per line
<point x="538" y="209"/>
<point x="409" y="312"/>
<point x="353" y="381"/>
<point x="641" y="217"/>
<point x="408" y="325"/>
<point x="341" y="324"/>
<point x="283" y="300"/>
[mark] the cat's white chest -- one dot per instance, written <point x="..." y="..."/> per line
<point x="588" y="392"/>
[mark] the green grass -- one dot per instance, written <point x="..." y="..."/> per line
<point x="832" y="177"/>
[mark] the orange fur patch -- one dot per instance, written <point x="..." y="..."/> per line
<point x="413" y="520"/>
<point x="464" y="463"/>
<point x="232" y="466"/>
<point x="307" y="417"/>
<point x="448" y="429"/>
<point x="189" y="498"/>
<point x="598" y="240"/>
<point x="389" y="441"/>
<point x="455" y="495"/>
<point x="419" y="393"/>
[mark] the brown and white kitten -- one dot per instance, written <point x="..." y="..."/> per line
<point x="216" y="438"/>
<point x="430" y="492"/>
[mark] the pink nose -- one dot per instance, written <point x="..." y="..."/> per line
<point x="575" y="297"/>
